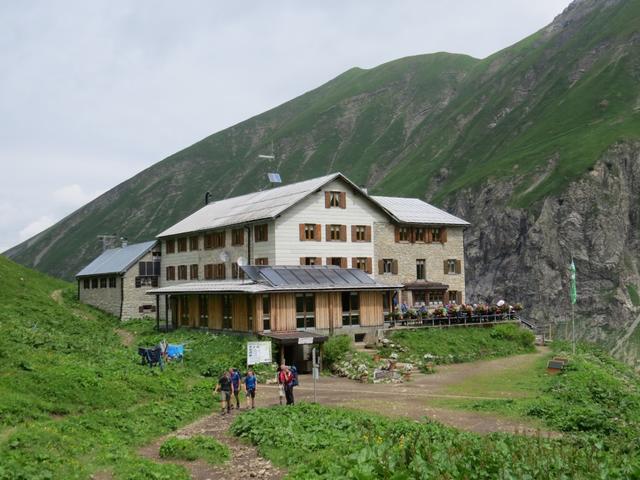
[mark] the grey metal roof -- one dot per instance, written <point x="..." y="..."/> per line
<point x="116" y="260"/>
<point x="284" y="278"/>
<point x="414" y="210"/>
<point x="251" y="207"/>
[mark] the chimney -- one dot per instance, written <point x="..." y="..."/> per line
<point x="364" y="189"/>
<point x="124" y="241"/>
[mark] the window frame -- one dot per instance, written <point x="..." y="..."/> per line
<point x="451" y="262"/>
<point x="261" y="232"/>
<point x="305" y="318"/>
<point x="310" y="231"/>
<point x="182" y="244"/>
<point x="350" y="313"/>
<point x="170" y="245"/>
<point x="421" y="265"/>
<point x="227" y="312"/>
<point x="194" y="243"/>
<point x="183" y="272"/>
<point x="266" y="317"/>
<point x="194" y="273"/>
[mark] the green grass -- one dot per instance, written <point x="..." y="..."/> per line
<point x="74" y="400"/>
<point x="456" y="345"/>
<point x="633" y="295"/>
<point x="194" y="448"/>
<point x="319" y="442"/>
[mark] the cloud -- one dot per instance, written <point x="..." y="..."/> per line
<point x="73" y="196"/>
<point x="36" y="227"/>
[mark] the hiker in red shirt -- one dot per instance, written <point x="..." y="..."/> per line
<point x="286" y="379"/>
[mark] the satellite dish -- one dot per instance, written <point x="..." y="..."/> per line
<point x="224" y="256"/>
<point x="242" y="261"/>
<point x="500" y="303"/>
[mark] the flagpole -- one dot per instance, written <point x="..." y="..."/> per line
<point x="573" y="330"/>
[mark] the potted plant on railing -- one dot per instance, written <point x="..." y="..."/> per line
<point x="468" y="310"/>
<point x="518" y="307"/>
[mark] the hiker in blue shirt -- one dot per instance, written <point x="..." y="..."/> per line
<point x="235" y="384"/>
<point x="250" y="383"/>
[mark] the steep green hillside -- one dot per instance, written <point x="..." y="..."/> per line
<point x="539" y="113"/>
<point x="74" y="399"/>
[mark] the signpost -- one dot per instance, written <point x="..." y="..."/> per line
<point x="305" y="340"/>
<point x="258" y="352"/>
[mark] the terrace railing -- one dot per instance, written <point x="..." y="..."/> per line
<point x="458" y="319"/>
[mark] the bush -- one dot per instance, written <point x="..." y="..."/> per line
<point x="193" y="448"/>
<point x="510" y="332"/>
<point x="336" y="348"/>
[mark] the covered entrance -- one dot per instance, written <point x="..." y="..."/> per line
<point x="295" y="348"/>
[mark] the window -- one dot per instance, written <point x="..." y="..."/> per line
<point x="219" y="271"/>
<point x="182" y="244"/>
<point x="436" y="298"/>
<point x="86" y="283"/>
<point x="420" y="269"/>
<point x="262" y="261"/>
<point x="308" y="231"/>
<point x="261" y="232"/>
<point x="362" y="263"/>
<point x="214" y="240"/>
<point x="171" y="273"/>
<point x="146" y="282"/>
<point x="402" y="234"/>
<point x="266" y="313"/>
<point x="94" y="283"/>
<point x="419" y="297"/>
<point x="226" y="312"/>
<point x="146" y="308"/>
<point x="249" y="313"/>
<point x="387" y="265"/>
<point x="203" y="301"/>
<point x="337" y="261"/>
<point x="193" y="271"/>
<point x="236" y="271"/>
<point x="156" y="266"/>
<point x="452" y="266"/>
<point x="336" y="233"/>
<point x="359" y="233"/>
<point x="419" y="235"/>
<point x="184" y="310"/>
<point x="182" y="272"/>
<point x="335" y="199"/>
<point x="350" y="308"/>
<point x="453" y="296"/>
<point x="112" y="282"/>
<point x="208" y="271"/>
<point x="435" y="234"/>
<point x="305" y="310"/>
<point x="237" y="236"/>
<point x="103" y="282"/>
<point x="146" y="268"/>
<point x="171" y="246"/>
<point x="194" y="243"/>
<point x="310" y="261"/>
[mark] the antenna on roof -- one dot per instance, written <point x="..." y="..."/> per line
<point x="207" y="195"/>
<point x="274" y="178"/>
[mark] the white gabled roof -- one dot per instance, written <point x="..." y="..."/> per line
<point x="251" y="207"/>
<point x="414" y="210"/>
<point x="116" y="260"/>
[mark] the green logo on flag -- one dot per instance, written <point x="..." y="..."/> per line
<point x="573" y="295"/>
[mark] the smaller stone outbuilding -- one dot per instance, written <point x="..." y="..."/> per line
<point x="117" y="281"/>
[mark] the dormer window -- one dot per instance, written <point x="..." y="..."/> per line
<point x="334" y="199"/>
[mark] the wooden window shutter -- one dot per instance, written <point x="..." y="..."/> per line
<point x="328" y="259"/>
<point x="380" y="267"/>
<point x="397" y="234"/>
<point x="327" y="231"/>
<point x="343" y="200"/>
<point x="303" y="260"/>
<point x="458" y="266"/>
<point x="412" y="234"/>
<point x="318" y="260"/>
<point x="223" y="271"/>
<point x="354" y="262"/>
<point x="445" y="266"/>
<point x="354" y="236"/>
<point x="317" y="232"/>
<point x="428" y="235"/>
<point x="369" y="268"/>
<point x="394" y="267"/>
<point x="445" y="297"/>
<point x="343" y="262"/>
<point x="302" y="228"/>
<point x="367" y="233"/>
<point x="443" y="235"/>
<point x="241" y="237"/>
<point x="459" y="297"/>
<point x="327" y="199"/>
<point x="343" y="233"/>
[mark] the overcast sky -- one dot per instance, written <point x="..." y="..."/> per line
<point x="92" y="92"/>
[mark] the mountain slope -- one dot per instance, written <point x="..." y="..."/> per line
<point x="531" y="125"/>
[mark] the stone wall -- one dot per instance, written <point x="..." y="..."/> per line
<point x="107" y="299"/>
<point x="134" y="297"/>
<point x="406" y="254"/>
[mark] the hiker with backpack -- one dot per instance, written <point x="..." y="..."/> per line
<point x="224" y="388"/>
<point x="250" y="383"/>
<point x="234" y="376"/>
<point x="287" y="379"/>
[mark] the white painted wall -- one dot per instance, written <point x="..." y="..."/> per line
<point x="359" y="211"/>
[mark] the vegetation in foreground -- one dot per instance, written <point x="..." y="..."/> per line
<point x="74" y="400"/>
<point x="456" y="345"/>
<point x="194" y="448"/>
<point x="320" y="442"/>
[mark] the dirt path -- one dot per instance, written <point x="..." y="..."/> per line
<point x="244" y="463"/>
<point x="56" y="295"/>
<point x="127" y="338"/>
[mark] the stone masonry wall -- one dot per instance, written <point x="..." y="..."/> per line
<point x="107" y="299"/>
<point x="434" y="255"/>
<point x="134" y="297"/>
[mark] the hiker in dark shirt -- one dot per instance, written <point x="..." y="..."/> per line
<point x="234" y="376"/>
<point x="224" y="388"/>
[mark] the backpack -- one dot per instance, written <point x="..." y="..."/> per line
<point x="294" y="374"/>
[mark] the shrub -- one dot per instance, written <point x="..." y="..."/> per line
<point x="193" y="448"/>
<point x="336" y="348"/>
